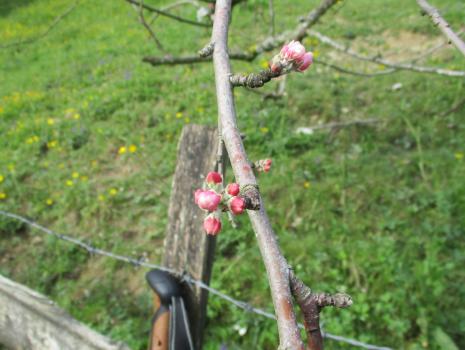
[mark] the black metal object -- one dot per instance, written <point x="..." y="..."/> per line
<point x="170" y="292"/>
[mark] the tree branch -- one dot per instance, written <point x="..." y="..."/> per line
<point x="140" y="11"/>
<point x="273" y="42"/>
<point x="275" y="263"/>
<point x="398" y="66"/>
<point x="433" y="13"/>
<point x="167" y="14"/>
<point x="253" y="80"/>
<point x="189" y="59"/>
<point x="311" y="305"/>
<point x="48" y="30"/>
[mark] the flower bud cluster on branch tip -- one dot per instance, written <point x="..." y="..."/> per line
<point x="215" y="199"/>
<point x="262" y="165"/>
<point x="291" y="57"/>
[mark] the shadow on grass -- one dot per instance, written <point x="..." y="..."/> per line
<point x="6" y="6"/>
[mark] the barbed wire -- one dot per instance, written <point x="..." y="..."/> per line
<point x="184" y="277"/>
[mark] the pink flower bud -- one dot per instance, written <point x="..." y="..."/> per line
<point x="212" y="225"/>
<point x="196" y="195"/>
<point x="267" y="165"/>
<point x="275" y="68"/>
<point x="293" y="51"/>
<point x="233" y="189"/>
<point x="284" y="50"/>
<point x="237" y="205"/>
<point x="208" y="200"/>
<point x="214" y="178"/>
<point x="306" y="62"/>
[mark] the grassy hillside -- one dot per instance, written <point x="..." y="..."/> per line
<point x="88" y="146"/>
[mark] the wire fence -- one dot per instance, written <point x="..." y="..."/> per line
<point x="142" y="263"/>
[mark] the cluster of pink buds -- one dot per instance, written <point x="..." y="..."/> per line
<point x="291" y="57"/>
<point x="263" y="165"/>
<point x="215" y="199"/>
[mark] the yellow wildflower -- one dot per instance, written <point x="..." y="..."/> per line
<point x="69" y="183"/>
<point x="316" y="53"/>
<point x="306" y="184"/>
<point x="458" y="155"/>
<point x="50" y="121"/>
<point x="179" y="115"/>
<point x="101" y="197"/>
<point x="132" y="148"/>
<point x="113" y="192"/>
<point x="187" y="120"/>
<point x="2" y="178"/>
<point x="122" y="150"/>
<point x="264" y="130"/>
<point x="75" y="175"/>
<point x="264" y="64"/>
<point x="32" y="139"/>
<point x="49" y="201"/>
<point x="11" y="167"/>
<point x="52" y="144"/>
<point x="76" y="116"/>
<point x="3" y="195"/>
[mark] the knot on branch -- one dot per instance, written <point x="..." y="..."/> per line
<point x="251" y="196"/>
<point x="207" y="51"/>
<point x="339" y="300"/>
<point x="253" y="80"/>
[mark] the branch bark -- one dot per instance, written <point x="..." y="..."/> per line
<point x="311" y="305"/>
<point x="399" y="66"/>
<point x="433" y="13"/>
<point x="167" y="14"/>
<point x="275" y="263"/>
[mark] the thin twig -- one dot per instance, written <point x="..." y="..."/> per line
<point x="140" y="11"/>
<point x="172" y="6"/>
<point x="167" y="14"/>
<point x="445" y="28"/>
<point x="354" y="72"/>
<point x="400" y="66"/>
<point x="337" y="125"/>
<point x="55" y="22"/>
<point x="189" y="59"/>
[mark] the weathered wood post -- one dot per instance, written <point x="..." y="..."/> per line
<point x="187" y="248"/>
<point x="29" y="320"/>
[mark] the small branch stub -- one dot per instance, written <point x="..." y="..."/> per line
<point x="253" y="80"/>
<point x="207" y="51"/>
<point x="252" y="196"/>
<point x="311" y="305"/>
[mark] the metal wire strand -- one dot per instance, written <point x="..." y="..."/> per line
<point x="140" y="262"/>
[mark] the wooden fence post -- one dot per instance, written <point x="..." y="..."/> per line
<point x="29" y="320"/>
<point x="187" y="248"/>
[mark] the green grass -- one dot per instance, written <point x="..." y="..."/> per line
<point x="373" y="211"/>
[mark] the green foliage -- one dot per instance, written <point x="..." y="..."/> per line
<point x="88" y="148"/>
